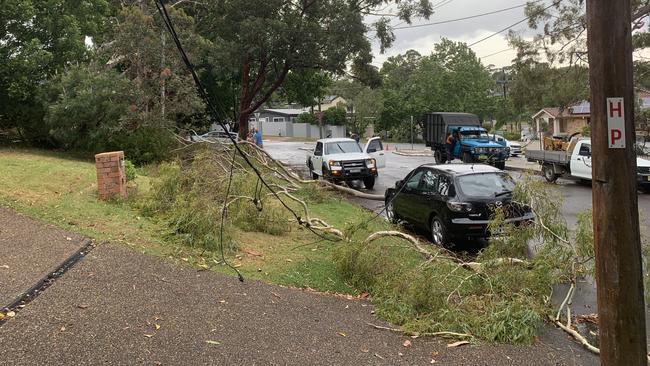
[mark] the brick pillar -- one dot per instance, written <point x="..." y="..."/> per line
<point x="111" y="177"/>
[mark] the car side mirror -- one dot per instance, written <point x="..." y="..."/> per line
<point x="452" y="192"/>
<point x="399" y="183"/>
<point x="372" y="150"/>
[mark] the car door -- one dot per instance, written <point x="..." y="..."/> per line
<point x="375" y="149"/>
<point x="427" y="198"/>
<point x="581" y="162"/>
<point x="403" y="202"/>
<point x="317" y="159"/>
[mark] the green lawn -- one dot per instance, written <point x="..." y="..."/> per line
<point x="57" y="189"/>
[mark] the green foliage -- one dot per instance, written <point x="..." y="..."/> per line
<point x="189" y="197"/>
<point x="86" y="108"/>
<point x="306" y="118"/>
<point x="264" y="49"/>
<point x="499" y="302"/>
<point x="451" y="79"/>
<point x="130" y="170"/>
<point x="306" y="87"/>
<point x="37" y="40"/>
<point x="335" y="116"/>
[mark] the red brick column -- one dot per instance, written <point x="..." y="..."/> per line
<point x="111" y="177"/>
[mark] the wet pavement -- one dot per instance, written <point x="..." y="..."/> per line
<point x="118" y="306"/>
<point x="29" y="251"/>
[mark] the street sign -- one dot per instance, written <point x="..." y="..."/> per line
<point x="615" y="123"/>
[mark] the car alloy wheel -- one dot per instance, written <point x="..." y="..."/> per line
<point x="437" y="232"/>
<point x="390" y="211"/>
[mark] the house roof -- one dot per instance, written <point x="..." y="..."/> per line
<point x="579" y="109"/>
<point x="286" y="111"/>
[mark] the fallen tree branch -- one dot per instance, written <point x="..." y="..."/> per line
<point x="577" y="336"/>
<point x="354" y="192"/>
<point x="382" y="234"/>
<point x="478" y="266"/>
<point x="417" y="334"/>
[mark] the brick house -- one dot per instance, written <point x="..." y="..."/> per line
<point x="556" y="121"/>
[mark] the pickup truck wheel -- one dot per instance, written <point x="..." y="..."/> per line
<point x="467" y="158"/>
<point x="369" y="182"/>
<point x="438" y="156"/>
<point x="549" y="174"/>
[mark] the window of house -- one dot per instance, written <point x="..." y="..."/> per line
<point x="278" y="119"/>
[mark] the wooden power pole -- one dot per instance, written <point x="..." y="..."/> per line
<point x="621" y="309"/>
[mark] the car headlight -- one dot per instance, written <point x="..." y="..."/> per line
<point x="370" y="163"/>
<point x="459" y="206"/>
<point x="335" y="165"/>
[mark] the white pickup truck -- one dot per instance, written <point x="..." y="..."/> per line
<point x="342" y="159"/>
<point x="576" y="163"/>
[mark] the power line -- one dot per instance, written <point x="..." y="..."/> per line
<point x="513" y="25"/>
<point x="465" y="18"/>
<point x="160" y="5"/>
<point x="496" y="53"/>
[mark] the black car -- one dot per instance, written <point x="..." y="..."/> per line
<point x="454" y="201"/>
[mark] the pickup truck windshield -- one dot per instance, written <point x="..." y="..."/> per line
<point x="342" y="147"/>
<point x="486" y="184"/>
<point x="474" y="134"/>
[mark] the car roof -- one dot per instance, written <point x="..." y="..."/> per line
<point x="338" y="139"/>
<point x="463" y="169"/>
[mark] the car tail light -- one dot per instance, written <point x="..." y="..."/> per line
<point x="459" y="206"/>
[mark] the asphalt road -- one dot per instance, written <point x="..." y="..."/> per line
<point x="576" y="196"/>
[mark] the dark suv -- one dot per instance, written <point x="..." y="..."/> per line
<point x="454" y="201"/>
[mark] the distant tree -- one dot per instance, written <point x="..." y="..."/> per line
<point x="335" y="116"/>
<point x="37" y="40"/>
<point x="87" y="107"/>
<point x="451" y="79"/>
<point x="306" y="118"/>
<point x="306" y="87"/>
<point x="141" y="51"/>
<point x="265" y="40"/>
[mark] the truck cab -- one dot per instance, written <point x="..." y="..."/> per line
<point x="343" y="159"/>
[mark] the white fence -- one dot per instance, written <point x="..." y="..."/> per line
<point x="290" y="129"/>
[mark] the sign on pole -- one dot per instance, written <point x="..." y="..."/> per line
<point x="615" y="123"/>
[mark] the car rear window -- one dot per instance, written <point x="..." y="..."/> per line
<point x="485" y="184"/>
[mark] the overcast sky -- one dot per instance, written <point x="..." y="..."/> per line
<point x="422" y="39"/>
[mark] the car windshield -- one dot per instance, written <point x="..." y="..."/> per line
<point x="342" y="147"/>
<point x="474" y="134"/>
<point x="486" y="184"/>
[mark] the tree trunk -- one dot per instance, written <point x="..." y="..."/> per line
<point x="243" y="125"/>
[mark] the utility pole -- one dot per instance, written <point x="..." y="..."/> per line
<point x="621" y="315"/>
<point x="411" y="132"/>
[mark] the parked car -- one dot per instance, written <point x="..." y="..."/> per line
<point x="343" y="159"/>
<point x="215" y="136"/>
<point x="454" y="201"/>
<point x="575" y="163"/>
<point x="515" y="147"/>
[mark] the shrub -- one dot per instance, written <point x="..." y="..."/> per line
<point x="131" y="172"/>
<point x="306" y="118"/>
